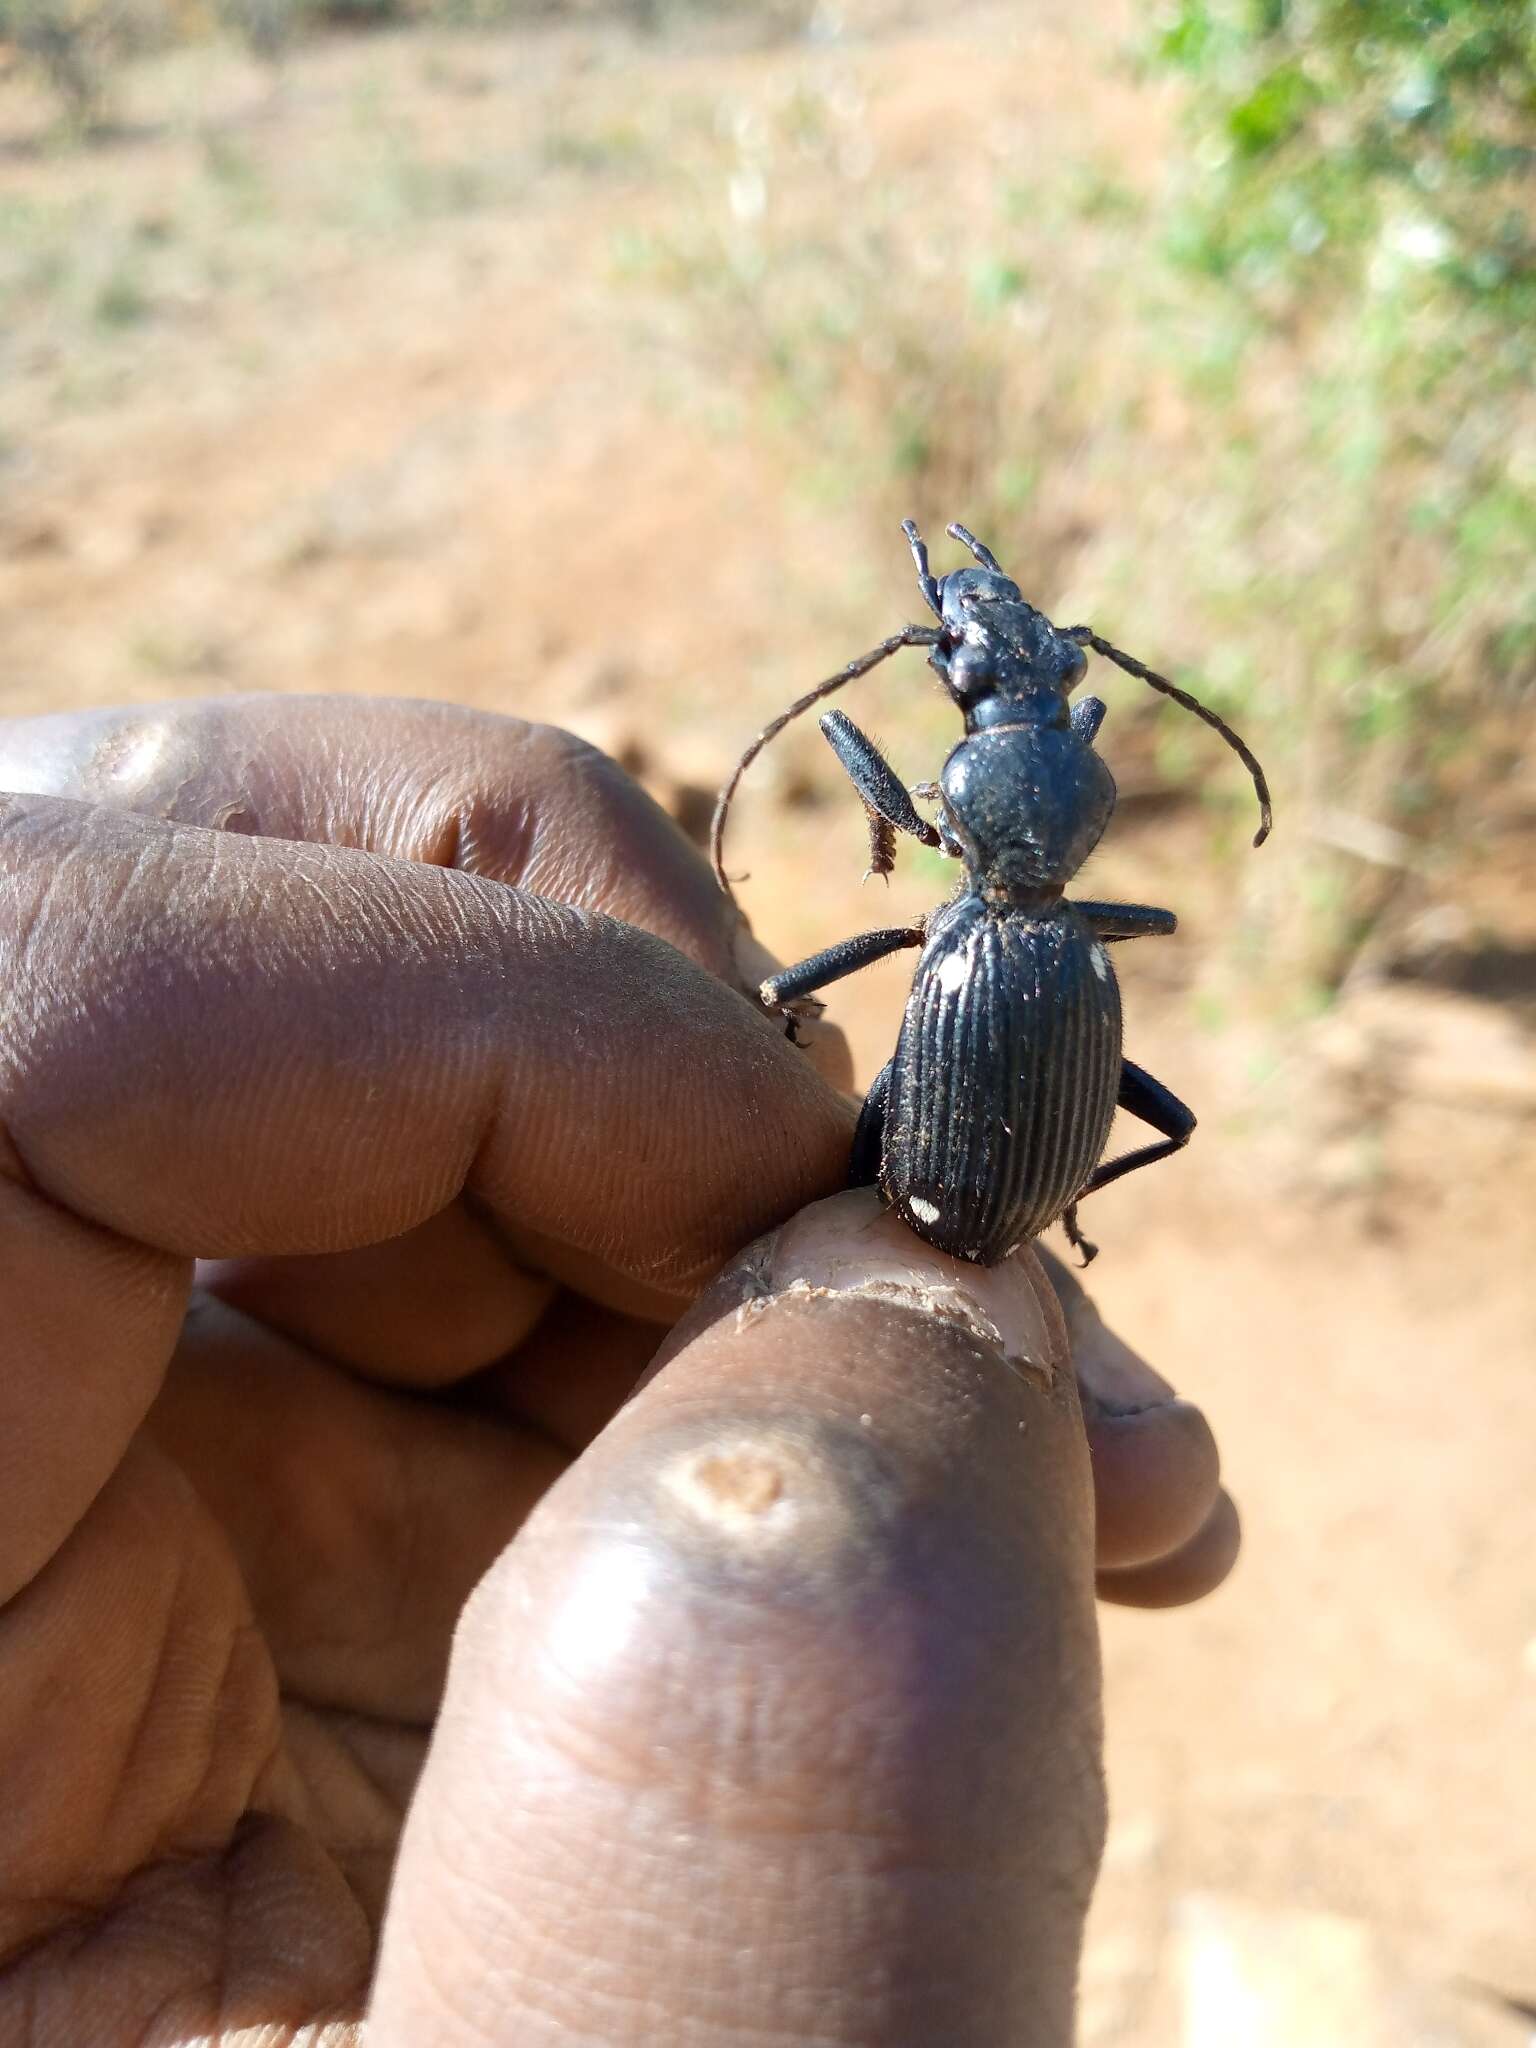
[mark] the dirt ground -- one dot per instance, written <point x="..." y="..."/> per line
<point x="302" y="409"/>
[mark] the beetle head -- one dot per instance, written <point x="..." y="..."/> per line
<point x="999" y="657"/>
<point x="962" y="590"/>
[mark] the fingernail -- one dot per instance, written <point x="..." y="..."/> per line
<point x="1115" y="1380"/>
<point x="849" y="1244"/>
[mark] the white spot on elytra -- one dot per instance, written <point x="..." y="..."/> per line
<point x="1100" y="961"/>
<point x="925" y="1212"/>
<point x="951" y="972"/>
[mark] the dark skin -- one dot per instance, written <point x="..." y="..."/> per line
<point x="774" y="1712"/>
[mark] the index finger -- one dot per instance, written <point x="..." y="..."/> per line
<point x="420" y="781"/>
<point x="224" y="1046"/>
<point x="218" y="1045"/>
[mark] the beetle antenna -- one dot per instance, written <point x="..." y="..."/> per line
<point x="1086" y="637"/>
<point x="909" y="636"/>
<point x="926" y="580"/>
<point x="983" y="555"/>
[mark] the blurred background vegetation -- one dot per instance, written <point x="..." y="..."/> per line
<point x="580" y="360"/>
<point x="1330" y="280"/>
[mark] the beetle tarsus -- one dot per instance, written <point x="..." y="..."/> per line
<point x="882" y="845"/>
<point x="1087" y="1251"/>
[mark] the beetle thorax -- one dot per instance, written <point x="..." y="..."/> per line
<point x="1030" y="803"/>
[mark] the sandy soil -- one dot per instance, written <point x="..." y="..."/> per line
<point x="445" y="450"/>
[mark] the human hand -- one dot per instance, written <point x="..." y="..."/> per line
<point x="780" y="1716"/>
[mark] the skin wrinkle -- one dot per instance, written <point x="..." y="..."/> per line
<point x="563" y="1962"/>
<point x="460" y="1995"/>
<point x="320" y="1735"/>
<point x="345" y="1729"/>
<point x="161" y="1707"/>
<point x="547" y="918"/>
<point x="154" y="1890"/>
<point x="595" y="1750"/>
<point x="64" y="1454"/>
<point x="714" y="1973"/>
<point x="369" y="1619"/>
<point x="30" y="915"/>
<point x="340" y="769"/>
<point x="649" y="2017"/>
<point x="409" y="1535"/>
<point x="151" y="1708"/>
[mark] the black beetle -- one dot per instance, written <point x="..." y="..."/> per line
<point x="990" y="1120"/>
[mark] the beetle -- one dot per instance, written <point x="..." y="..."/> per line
<point x="990" y="1120"/>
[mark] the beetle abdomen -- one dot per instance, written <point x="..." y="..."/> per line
<point x="1003" y="1086"/>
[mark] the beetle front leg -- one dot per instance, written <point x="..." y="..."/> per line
<point x="890" y="807"/>
<point x="949" y="840"/>
<point x="1144" y="1097"/>
<point x="847" y="957"/>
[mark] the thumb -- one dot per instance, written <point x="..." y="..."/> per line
<point x="781" y="1716"/>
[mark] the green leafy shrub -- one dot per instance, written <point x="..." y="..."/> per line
<point x="1339" y="130"/>
<point x="1357" y="195"/>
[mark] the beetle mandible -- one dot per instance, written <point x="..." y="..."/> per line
<point x="989" y="1121"/>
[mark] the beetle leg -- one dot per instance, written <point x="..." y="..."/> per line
<point x="932" y="793"/>
<point x="882" y="845"/>
<point x="847" y="957"/>
<point x="1075" y="1237"/>
<point x="1156" y="1105"/>
<point x="1087" y="716"/>
<point x="793" y="1020"/>
<point x="1126" y="920"/>
<point x="909" y="636"/>
<point x="885" y="795"/>
<point x="869" y="1136"/>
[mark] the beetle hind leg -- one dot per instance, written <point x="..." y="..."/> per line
<point x="1147" y="1098"/>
